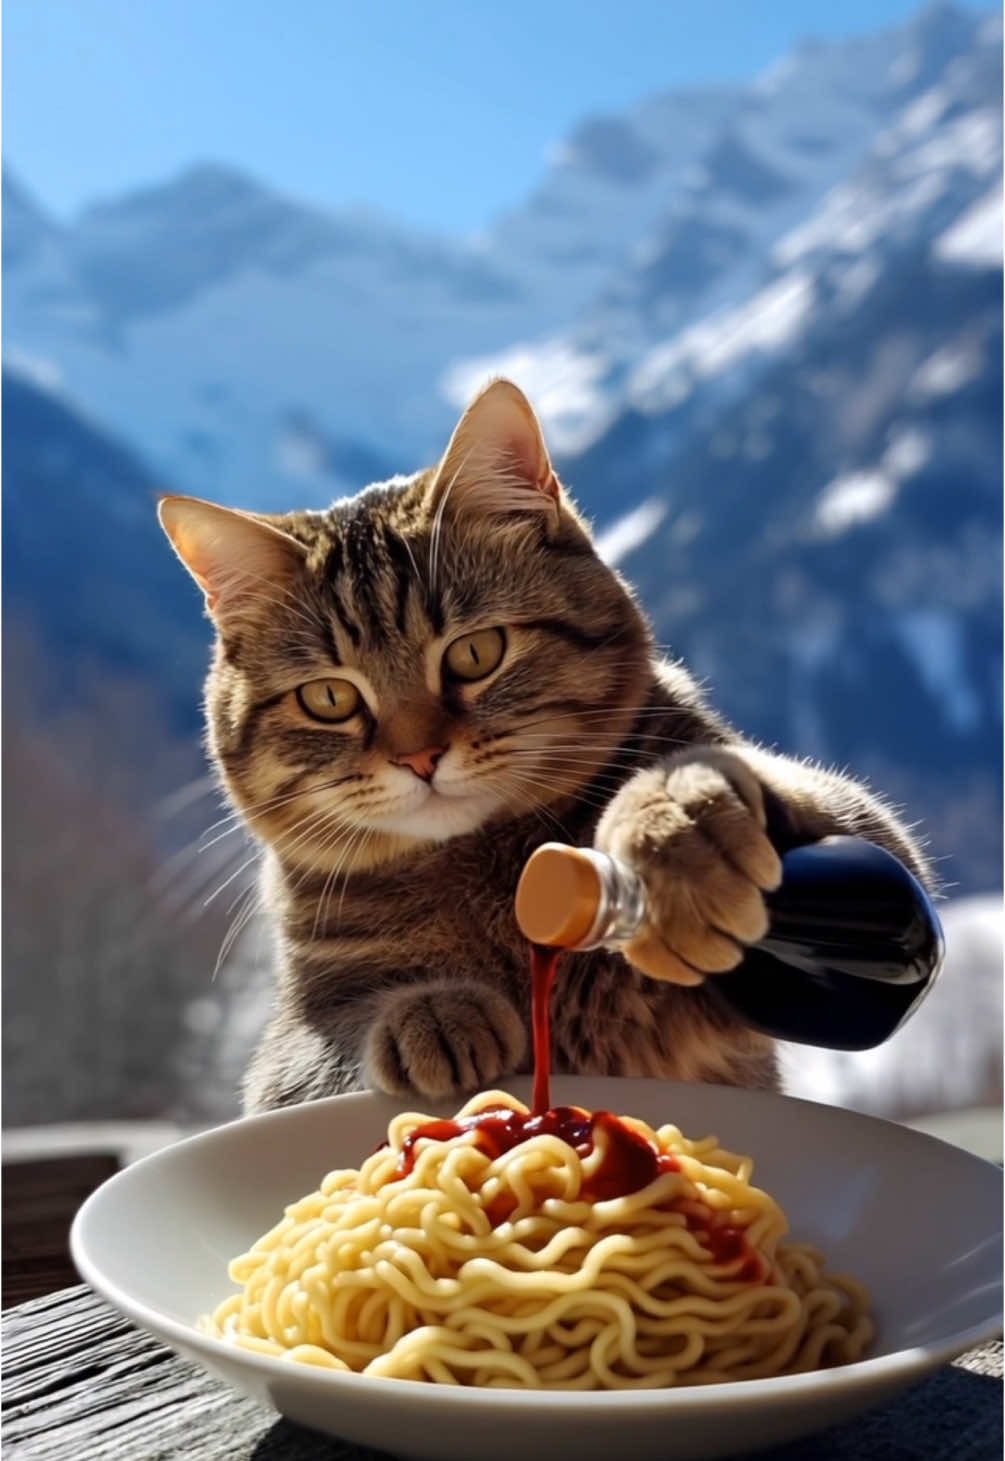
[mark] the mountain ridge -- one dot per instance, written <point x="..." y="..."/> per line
<point x="127" y="295"/>
<point x="761" y="324"/>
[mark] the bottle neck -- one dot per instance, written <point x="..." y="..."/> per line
<point x="621" y="906"/>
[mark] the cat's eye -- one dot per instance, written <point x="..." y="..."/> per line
<point x="474" y="656"/>
<point x="330" y="700"/>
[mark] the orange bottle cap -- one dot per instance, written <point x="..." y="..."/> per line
<point x="558" y="896"/>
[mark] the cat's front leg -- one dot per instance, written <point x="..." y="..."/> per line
<point x="298" y="1061"/>
<point x="443" y="1038"/>
<point x="704" y="829"/>
<point x="695" y="829"/>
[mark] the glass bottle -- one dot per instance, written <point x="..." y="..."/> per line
<point x="853" y="946"/>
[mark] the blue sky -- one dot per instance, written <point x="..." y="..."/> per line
<point x="440" y="112"/>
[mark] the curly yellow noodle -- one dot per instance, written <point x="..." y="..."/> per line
<point x="407" y="1277"/>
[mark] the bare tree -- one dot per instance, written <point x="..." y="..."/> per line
<point x="100" y="967"/>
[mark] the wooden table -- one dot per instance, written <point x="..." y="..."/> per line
<point x="80" y="1383"/>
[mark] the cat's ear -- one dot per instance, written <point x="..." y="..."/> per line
<point x="231" y="555"/>
<point x="496" y="461"/>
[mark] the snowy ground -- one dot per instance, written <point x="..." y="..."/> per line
<point x="948" y="1056"/>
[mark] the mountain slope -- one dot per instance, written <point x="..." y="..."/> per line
<point x="826" y="551"/>
<point x="88" y="574"/>
<point x="195" y="317"/>
<point x="904" y="137"/>
<point x="762" y="324"/>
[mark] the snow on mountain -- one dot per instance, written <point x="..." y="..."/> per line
<point x="825" y="548"/>
<point x="774" y="218"/>
<point x="948" y="1055"/>
<point x="86" y="577"/>
<point x="214" y="311"/>
<point x="607" y="186"/>
<point x="761" y="322"/>
<point x="976" y="238"/>
<point x="198" y="317"/>
<point x="619" y="538"/>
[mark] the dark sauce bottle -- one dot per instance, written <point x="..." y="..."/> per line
<point x="853" y="947"/>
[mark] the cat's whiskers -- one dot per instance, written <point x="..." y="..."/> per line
<point x="542" y="758"/>
<point x="508" y="787"/>
<point x="242" y="893"/>
<point x="616" y="742"/>
<point x="579" y="793"/>
<point x="623" y="746"/>
<point x="323" y="813"/>
<point x="613" y="708"/>
<point x="241" y="920"/>
<point x="336" y="837"/>
<point x="242" y="814"/>
<point x="359" y="852"/>
<point x="548" y="726"/>
<point x="403" y="540"/>
<point x="575" y="755"/>
<point x="317" y="823"/>
<point x="602" y="764"/>
<point x="575" y="782"/>
<point x="344" y="846"/>
<point x="183" y="876"/>
<point x="329" y="884"/>
<point x="589" y="726"/>
<point x="437" y="532"/>
<point x="578" y="779"/>
<point x="236" y="874"/>
<point x="238" y="580"/>
<point x="185" y="796"/>
<point x="589" y="714"/>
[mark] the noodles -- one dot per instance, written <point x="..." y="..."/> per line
<point x="564" y="1251"/>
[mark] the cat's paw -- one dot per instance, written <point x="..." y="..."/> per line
<point x="694" y="828"/>
<point x="444" y="1039"/>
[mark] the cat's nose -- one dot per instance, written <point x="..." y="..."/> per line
<point x="423" y="763"/>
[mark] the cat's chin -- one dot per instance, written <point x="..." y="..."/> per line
<point x="439" y="817"/>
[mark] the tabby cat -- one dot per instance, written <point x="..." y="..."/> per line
<point x="413" y="689"/>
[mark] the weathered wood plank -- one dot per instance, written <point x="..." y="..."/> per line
<point x="81" y="1384"/>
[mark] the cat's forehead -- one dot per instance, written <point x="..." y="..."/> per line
<point x="383" y="570"/>
<point x="390" y="572"/>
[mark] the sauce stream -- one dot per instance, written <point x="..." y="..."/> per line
<point x="543" y="963"/>
<point x="628" y="1162"/>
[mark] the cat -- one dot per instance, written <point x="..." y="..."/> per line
<point x="412" y="690"/>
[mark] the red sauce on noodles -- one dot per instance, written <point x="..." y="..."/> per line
<point x="628" y="1161"/>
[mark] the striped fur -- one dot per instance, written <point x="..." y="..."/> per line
<point x="398" y="959"/>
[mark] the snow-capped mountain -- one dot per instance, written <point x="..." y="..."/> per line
<point x="249" y="345"/>
<point x="826" y="549"/>
<point x="88" y="586"/>
<point x="838" y="153"/>
<point x="761" y="322"/>
<point x="239" y="339"/>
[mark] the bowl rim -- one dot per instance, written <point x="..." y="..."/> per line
<point x="877" y="1372"/>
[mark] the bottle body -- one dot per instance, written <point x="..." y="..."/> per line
<point x="853" y="945"/>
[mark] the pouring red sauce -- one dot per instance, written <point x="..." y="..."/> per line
<point x="628" y="1162"/>
<point x="543" y="963"/>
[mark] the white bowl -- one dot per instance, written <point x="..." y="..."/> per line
<point x="915" y="1219"/>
